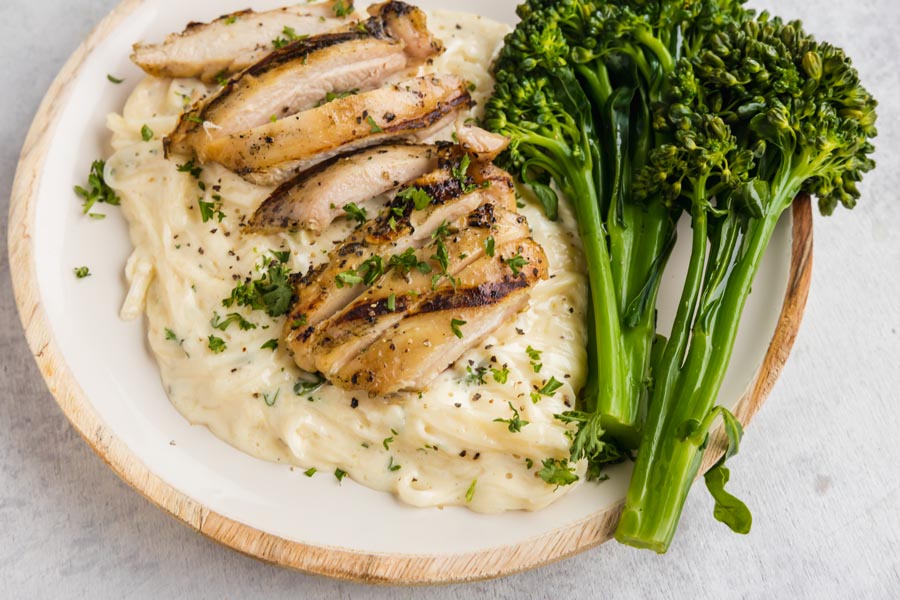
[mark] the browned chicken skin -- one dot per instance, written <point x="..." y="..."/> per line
<point x="309" y="200"/>
<point x="405" y="111"/>
<point x="313" y="199"/>
<point x="319" y="294"/>
<point x="400" y="292"/>
<point x="303" y="73"/>
<point x="233" y="42"/>
<point x="414" y="351"/>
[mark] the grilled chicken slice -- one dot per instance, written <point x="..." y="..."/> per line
<point x="310" y="200"/>
<point x="315" y="198"/>
<point x="325" y="289"/>
<point x="406" y="111"/>
<point x="405" y="288"/>
<point x="480" y="143"/>
<point x="301" y="74"/>
<point x="233" y="42"/>
<point x="409" y="24"/>
<point x="410" y="354"/>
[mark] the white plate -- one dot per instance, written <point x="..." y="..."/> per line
<point x="126" y="416"/>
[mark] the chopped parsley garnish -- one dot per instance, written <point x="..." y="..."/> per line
<point x="341" y="9"/>
<point x="548" y="389"/>
<point x="516" y="263"/>
<point x="455" y="325"/>
<point x="441" y="256"/>
<point x="514" y="424"/>
<point x="190" y="167"/>
<point x="171" y="336"/>
<point x="386" y="442"/>
<point x="303" y="387"/>
<point x="115" y="80"/>
<point x="270" y="345"/>
<point x="194" y="119"/>
<point x="557" y="471"/>
<point x="146" y="133"/>
<point x="273" y="119"/>
<point x="310" y="472"/>
<point x="535" y="356"/>
<point x="271" y="292"/>
<point x="216" y="344"/>
<point x="209" y="210"/>
<point x="282" y="255"/>
<point x="392" y="302"/>
<point x="222" y="78"/>
<point x="500" y="375"/>
<point x="470" y="493"/>
<point x="460" y="172"/>
<point x="420" y="198"/>
<point x="82" y="272"/>
<point x="97" y="216"/>
<point x="368" y="272"/>
<point x="97" y="190"/>
<point x="347" y="278"/>
<point x="332" y="96"/>
<point x="529" y="463"/>
<point x="392" y="467"/>
<point x="406" y="262"/>
<point x="339" y="474"/>
<point x="395" y="212"/>
<point x="442" y="231"/>
<point x="373" y="126"/>
<point x="436" y="279"/>
<point x="355" y="213"/>
<point x="476" y="375"/>
<point x="230" y="19"/>
<point x="290" y="35"/>
<point x="270" y="398"/>
<point x="221" y="324"/>
<point x="489" y="246"/>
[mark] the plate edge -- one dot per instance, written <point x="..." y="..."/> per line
<point x="329" y="561"/>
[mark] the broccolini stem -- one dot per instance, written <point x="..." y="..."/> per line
<point x="619" y="413"/>
<point x="669" y="461"/>
<point x="598" y="84"/>
<point x="654" y="499"/>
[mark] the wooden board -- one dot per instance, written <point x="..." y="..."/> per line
<point x="332" y="562"/>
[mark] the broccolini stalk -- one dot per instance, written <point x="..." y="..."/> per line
<point x="762" y="113"/>
<point x="540" y="105"/>
<point x="610" y="58"/>
<point x="620" y="54"/>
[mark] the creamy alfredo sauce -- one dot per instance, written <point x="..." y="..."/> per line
<point x="438" y="448"/>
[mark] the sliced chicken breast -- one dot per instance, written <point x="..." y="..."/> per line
<point x="404" y="111"/>
<point x="315" y="198"/>
<point x="480" y="143"/>
<point x="298" y="76"/>
<point x="408" y="23"/>
<point x="413" y="352"/>
<point x="403" y="290"/>
<point x="326" y="289"/>
<point x="233" y="42"/>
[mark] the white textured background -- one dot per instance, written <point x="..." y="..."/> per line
<point x="820" y="466"/>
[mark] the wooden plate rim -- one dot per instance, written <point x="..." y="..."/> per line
<point x="332" y="562"/>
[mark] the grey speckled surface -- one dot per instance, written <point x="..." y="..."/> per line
<point x="819" y="465"/>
